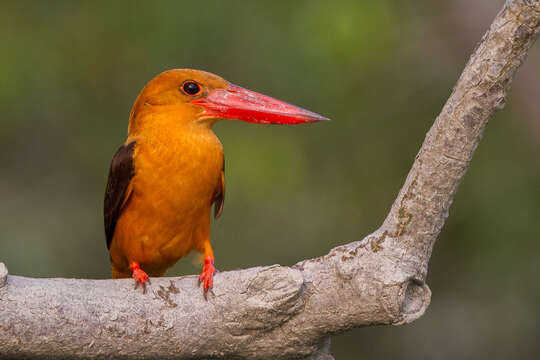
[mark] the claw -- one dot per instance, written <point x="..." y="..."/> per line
<point x="139" y="275"/>
<point x="207" y="276"/>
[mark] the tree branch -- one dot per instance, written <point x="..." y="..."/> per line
<point x="284" y="312"/>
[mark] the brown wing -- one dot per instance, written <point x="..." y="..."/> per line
<point x="219" y="196"/>
<point x="118" y="188"/>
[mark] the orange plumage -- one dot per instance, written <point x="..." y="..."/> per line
<point x="165" y="179"/>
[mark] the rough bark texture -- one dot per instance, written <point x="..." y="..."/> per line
<point x="282" y="312"/>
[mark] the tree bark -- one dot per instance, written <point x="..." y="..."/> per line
<point x="283" y="312"/>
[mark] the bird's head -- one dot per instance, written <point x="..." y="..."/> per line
<point x="194" y="96"/>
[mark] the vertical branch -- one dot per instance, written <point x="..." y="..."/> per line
<point x="418" y="214"/>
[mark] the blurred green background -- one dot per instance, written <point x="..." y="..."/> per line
<point x="380" y="69"/>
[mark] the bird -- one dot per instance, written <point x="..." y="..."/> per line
<point x="170" y="171"/>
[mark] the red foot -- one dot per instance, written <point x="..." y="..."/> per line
<point x="139" y="275"/>
<point x="207" y="275"/>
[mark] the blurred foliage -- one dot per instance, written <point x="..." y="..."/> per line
<point x="380" y="69"/>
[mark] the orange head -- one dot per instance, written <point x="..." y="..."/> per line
<point x="194" y="96"/>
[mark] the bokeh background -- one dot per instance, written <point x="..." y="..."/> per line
<point x="380" y="69"/>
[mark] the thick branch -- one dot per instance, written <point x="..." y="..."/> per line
<point x="283" y="312"/>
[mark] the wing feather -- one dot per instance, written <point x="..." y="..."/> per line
<point x="118" y="188"/>
<point x="219" y="195"/>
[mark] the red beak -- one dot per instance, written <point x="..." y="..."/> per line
<point x="236" y="102"/>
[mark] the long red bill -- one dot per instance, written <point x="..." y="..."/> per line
<point x="236" y="102"/>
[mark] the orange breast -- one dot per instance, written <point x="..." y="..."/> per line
<point x="168" y="212"/>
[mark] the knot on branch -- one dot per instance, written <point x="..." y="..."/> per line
<point x="395" y="293"/>
<point x="269" y="299"/>
<point x="415" y="301"/>
<point x="3" y="275"/>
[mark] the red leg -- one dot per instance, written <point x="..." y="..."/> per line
<point x="207" y="275"/>
<point x="139" y="275"/>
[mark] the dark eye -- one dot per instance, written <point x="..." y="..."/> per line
<point x="191" y="88"/>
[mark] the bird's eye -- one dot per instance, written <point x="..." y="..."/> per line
<point x="191" y="88"/>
